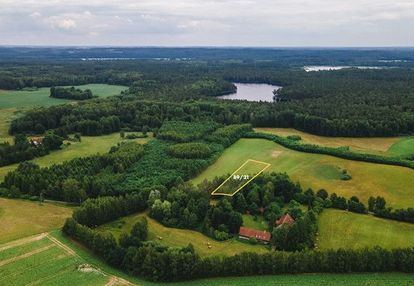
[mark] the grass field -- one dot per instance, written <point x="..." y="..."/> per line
<point x="341" y="229"/>
<point x="403" y="147"/>
<point x="320" y="171"/>
<point x="6" y="115"/>
<point x="20" y="218"/>
<point x="89" y="145"/>
<point x="40" y="97"/>
<point x="240" y="178"/>
<point x="182" y="237"/>
<point x="384" y="146"/>
<point x="259" y="223"/>
<point x="43" y="260"/>
<point x="387" y="279"/>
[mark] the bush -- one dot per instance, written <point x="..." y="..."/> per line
<point x="294" y="137"/>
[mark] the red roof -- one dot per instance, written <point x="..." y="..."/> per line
<point x="253" y="233"/>
<point x="285" y="219"/>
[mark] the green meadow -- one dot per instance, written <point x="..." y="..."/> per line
<point x="88" y="146"/>
<point x="40" y="97"/>
<point x="320" y="171"/>
<point x="342" y="229"/>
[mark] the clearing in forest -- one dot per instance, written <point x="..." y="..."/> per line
<point x="240" y="178"/>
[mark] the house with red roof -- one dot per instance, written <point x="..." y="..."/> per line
<point x="36" y="141"/>
<point x="261" y="236"/>
<point x="286" y="219"/>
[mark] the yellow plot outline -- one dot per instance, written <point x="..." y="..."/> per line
<point x="215" y="193"/>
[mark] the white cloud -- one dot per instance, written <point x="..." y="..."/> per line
<point x="65" y="24"/>
<point x="209" y="22"/>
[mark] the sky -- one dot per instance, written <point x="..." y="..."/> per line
<point x="261" y="23"/>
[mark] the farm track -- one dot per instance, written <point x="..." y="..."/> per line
<point x="26" y="255"/>
<point x="112" y="279"/>
<point x="23" y="241"/>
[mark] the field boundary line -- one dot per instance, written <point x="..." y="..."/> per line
<point x="31" y="253"/>
<point x="66" y="248"/>
<point x="22" y="241"/>
<point x="215" y="193"/>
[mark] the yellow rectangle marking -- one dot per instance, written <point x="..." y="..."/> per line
<point x="216" y="193"/>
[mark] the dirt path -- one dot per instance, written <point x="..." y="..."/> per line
<point x="16" y="258"/>
<point x="23" y="241"/>
<point x="63" y="246"/>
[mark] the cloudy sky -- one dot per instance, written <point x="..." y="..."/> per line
<point x="207" y="22"/>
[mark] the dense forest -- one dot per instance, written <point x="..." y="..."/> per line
<point x="350" y="102"/>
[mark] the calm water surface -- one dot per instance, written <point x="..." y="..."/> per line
<point x="253" y="92"/>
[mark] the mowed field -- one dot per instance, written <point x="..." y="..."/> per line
<point x="396" y="146"/>
<point x="387" y="279"/>
<point x="19" y="218"/>
<point x="182" y="237"/>
<point x="342" y="229"/>
<point x="44" y="260"/>
<point x="40" y="97"/>
<point x="89" y="145"/>
<point x="317" y="171"/>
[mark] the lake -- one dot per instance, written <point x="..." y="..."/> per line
<point x="252" y="92"/>
<point x="334" y="68"/>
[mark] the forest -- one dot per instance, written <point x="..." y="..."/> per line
<point x="351" y="102"/>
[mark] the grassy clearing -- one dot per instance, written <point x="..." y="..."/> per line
<point x="371" y="145"/>
<point x="88" y="146"/>
<point x="182" y="237"/>
<point x="255" y="222"/>
<point x="40" y="97"/>
<point x="20" y="218"/>
<point x="6" y="116"/>
<point x="341" y="229"/>
<point x="403" y="147"/>
<point x="320" y="171"/>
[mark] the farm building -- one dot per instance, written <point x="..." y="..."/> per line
<point x="247" y="233"/>
<point x="286" y="219"/>
<point x="36" y="141"/>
